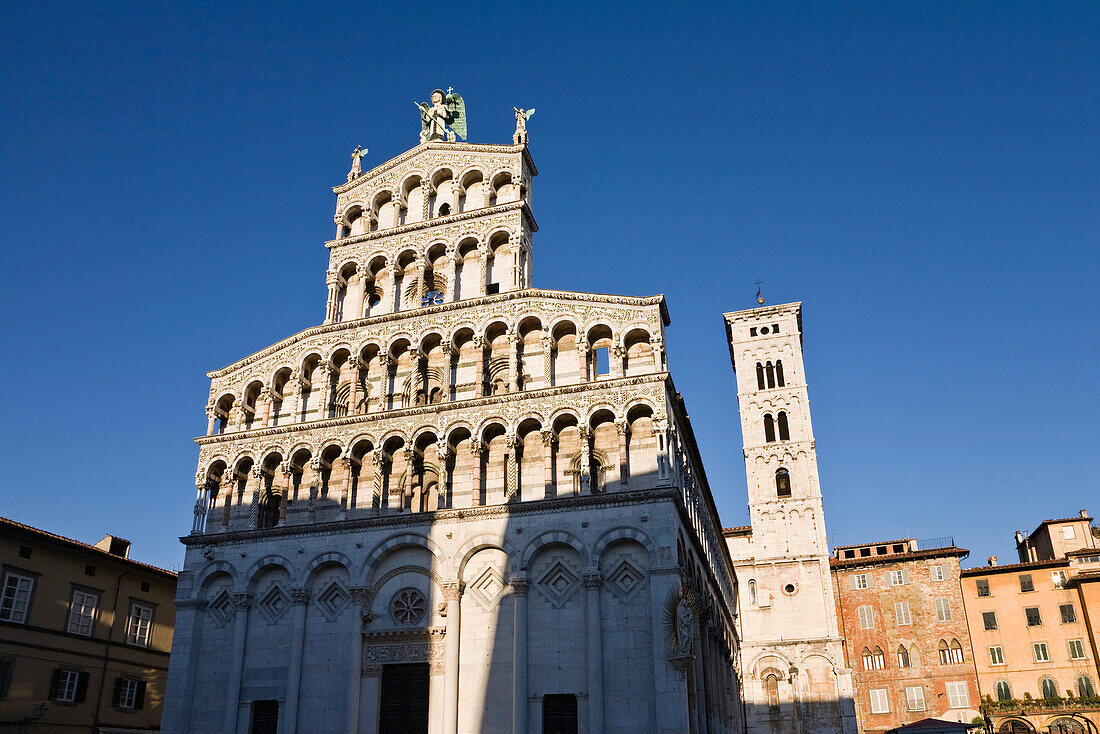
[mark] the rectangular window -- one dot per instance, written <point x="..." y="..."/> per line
<point x="1026" y="584"/>
<point x="989" y="620"/>
<point x="983" y="587"/>
<point x="1067" y="532"/>
<point x="897" y="577"/>
<point x="957" y="695"/>
<point x="16" y="597"/>
<point x="1034" y="619"/>
<point x="129" y="694"/>
<point x="996" y="655"/>
<point x="139" y="624"/>
<point x="866" y="618"/>
<point x="936" y="570"/>
<point x="1076" y="650"/>
<point x="901" y="611"/>
<point x="1068" y="614"/>
<point x="943" y="609"/>
<point x="67" y="685"/>
<point x="914" y="698"/>
<point x="861" y="581"/>
<point x="880" y="704"/>
<point x="82" y="612"/>
<point x="7" y="666"/>
<point x="1041" y="653"/>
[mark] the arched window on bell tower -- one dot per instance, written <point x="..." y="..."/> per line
<point x="782" y="482"/>
<point x="784" y="430"/>
<point x="769" y="428"/>
<point x="769" y="370"/>
<point x="779" y="373"/>
<point x="759" y="376"/>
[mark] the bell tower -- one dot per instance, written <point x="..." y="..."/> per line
<point x="793" y="651"/>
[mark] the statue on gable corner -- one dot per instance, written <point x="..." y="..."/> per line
<point x="522" y="116"/>
<point x="444" y="118"/>
<point x="356" y="162"/>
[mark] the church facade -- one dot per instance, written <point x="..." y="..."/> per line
<point x="461" y="503"/>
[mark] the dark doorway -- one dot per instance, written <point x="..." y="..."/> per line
<point x="265" y="717"/>
<point x="404" y="694"/>
<point x="559" y="713"/>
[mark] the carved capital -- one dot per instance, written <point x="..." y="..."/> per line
<point x="242" y="600"/>
<point x="593" y="580"/>
<point x="256" y="471"/>
<point x="519" y="585"/>
<point x="299" y="596"/>
<point x="452" y="590"/>
<point x="360" y="595"/>
<point x="620" y="426"/>
<point x="548" y="437"/>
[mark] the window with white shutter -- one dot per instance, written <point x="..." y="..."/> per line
<point x="957" y="695"/>
<point x="943" y="609"/>
<point x="901" y="612"/>
<point x="139" y="624"/>
<point x="914" y="698"/>
<point x="880" y="704"/>
<point x="936" y="571"/>
<point x="82" y="612"/>
<point x="996" y="655"/>
<point x="866" y="617"/>
<point x="16" y="597"/>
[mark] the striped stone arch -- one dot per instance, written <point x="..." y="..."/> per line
<point x="476" y="543"/>
<point x="341" y="345"/>
<point x="398" y="337"/>
<point x="332" y="557"/>
<point x="425" y="428"/>
<point x="272" y="559"/>
<point x="592" y="410"/>
<point x="215" y="567"/>
<point x="624" y="532"/>
<point x="768" y="654"/>
<point x="401" y="540"/>
<point x="454" y="426"/>
<point x="532" y="415"/>
<point x="243" y="454"/>
<point x="302" y="445"/>
<point x="331" y="440"/>
<point x="214" y="459"/>
<point x="488" y="422"/>
<point x="552" y="537"/>
<point x="359" y="437"/>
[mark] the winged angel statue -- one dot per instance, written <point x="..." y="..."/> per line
<point x="444" y="118"/>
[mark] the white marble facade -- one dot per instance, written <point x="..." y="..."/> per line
<point x="460" y="504"/>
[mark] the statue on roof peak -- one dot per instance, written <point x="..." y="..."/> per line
<point x="444" y="118"/>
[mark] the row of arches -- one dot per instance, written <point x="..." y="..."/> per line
<point x="441" y="273"/>
<point x="408" y="373"/>
<point x="769" y="375"/>
<point x="772" y="423"/>
<point x="432" y="470"/>
<point x="421" y="197"/>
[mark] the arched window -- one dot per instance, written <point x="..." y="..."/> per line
<point x="956" y="652"/>
<point x="444" y="210"/>
<point x="779" y="373"/>
<point x="759" y="376"/>
<point x="879" y="659"/>
<point x="784" y="431"/>
<point x="782" y="483"/>
<point x="903" y="657"/>
<point x="341" y="400"/>
<point x="945" y="653"/>
<point x="769" y="428"/>
<point x="769" y="370"/>
<point x="752" y="592"/>
<point x="1004" y="693"/>
<point x="1050" y="689"/>
<point x="771" y="687"/>
<point x="1084" y="687"/>
<point x="868" y="659"/>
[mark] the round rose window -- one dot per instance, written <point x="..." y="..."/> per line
<point x="407" y="607"/>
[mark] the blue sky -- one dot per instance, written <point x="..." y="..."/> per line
<point x="922" y="176"/>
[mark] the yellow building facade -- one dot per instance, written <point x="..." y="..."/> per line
<point x="85" y="634"/>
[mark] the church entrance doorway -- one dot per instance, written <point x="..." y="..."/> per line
<point x="559" y="713"/>
<point x="265" y="717"/>
<point x="404" y="694"/>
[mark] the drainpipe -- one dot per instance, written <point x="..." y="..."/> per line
<point x="107" y="650"/>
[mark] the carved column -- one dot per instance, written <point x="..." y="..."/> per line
<point x="201" y="502"/>
<point x="388" y="364"/>
<point x="658" y="354"/>
<point x="228" y="480"/>
<point x="263" y="407"/>
<point x="419" y="382"/>
<point x="410" y="477"/>
<point x="594" y="642"/>
<point x="211" y="419"/>
<point x="389" y="301"/>
<point x="332" y="280"/>
<point x="511" y="473"/>
<point x="620" y="428"/>
<point x="482" y="268"/>
<point x="548" y="440"/>
<point x="353" y="399"/>
<point x="360" y="599"/>
<point x="233" y="418"/>
<point x="254" y="504"/>
<point x="442" y="493"/>
<point x="660" y="432"/>
<point x="452" y="594"/>
<point x="288" y="482"/>
<point x="241" y="602"/>
<point x="326" y="370"/>
<point x="449" y="268"/>
<point x="345" y="486"/>
<point x="417" y="285"/>
<point x="615" y="356"/>
<point x="475" y="472"/>
<point x="314" y="484"/>
<point x="547" y="360"/>
<point x="479" y="366"/>
<point x="294" y="384"/>
<point x="300" y="599"/>
<point x="448" y="359"/>
<point x="425" y="200"/>
<point x="519" y="657"/>
<point x="586" y="460"/>
<point x="377" y="460"/>
<point x="582" y="362"/>
<point x="513" y="362"/>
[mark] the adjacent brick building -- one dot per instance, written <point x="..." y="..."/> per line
<point x="905" y="632"/>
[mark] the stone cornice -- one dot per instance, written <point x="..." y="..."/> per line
<point x="438" y="222"/>
<point x="759" y="314"/>
<point x="434" y="517"/>
<point x="408" y="155"/>
<point x="443" y="308"/>
<point x="434" y="409"/>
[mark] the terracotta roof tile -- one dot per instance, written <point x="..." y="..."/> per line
<point x="83" y="546"/>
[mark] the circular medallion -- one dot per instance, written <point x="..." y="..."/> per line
<point x="407" y="607"/>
